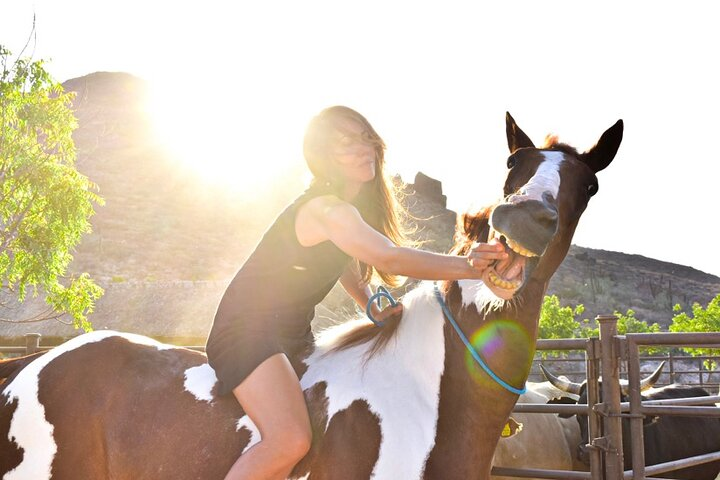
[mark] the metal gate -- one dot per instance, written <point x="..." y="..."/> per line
<point x="603" y="357"/>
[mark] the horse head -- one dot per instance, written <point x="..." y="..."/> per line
<point x="546" y="191"/>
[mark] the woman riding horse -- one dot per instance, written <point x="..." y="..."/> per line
<point x="345" y="226"/>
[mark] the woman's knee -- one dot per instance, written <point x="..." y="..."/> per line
<point x="293" y="443"/>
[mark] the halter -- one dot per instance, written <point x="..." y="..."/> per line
<point x="382" y="292"/>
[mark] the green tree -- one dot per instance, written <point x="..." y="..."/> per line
<point x="558" y="322"/>
<point x="45" y="203"/>
<point x="702" y="320"/>
<point x="627" y="323"/>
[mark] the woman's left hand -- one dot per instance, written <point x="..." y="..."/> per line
<point x="485" y="254"/>
<point x="389" y="312"/>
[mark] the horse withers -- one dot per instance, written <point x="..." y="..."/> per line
<point x="405" y="401"/>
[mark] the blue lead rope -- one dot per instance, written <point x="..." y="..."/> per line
<point x="382" y="292"/>
<point x="471" y="349"/>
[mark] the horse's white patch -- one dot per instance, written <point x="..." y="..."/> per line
<point x="248" y="424"/>
<point x="476" y="292"/>
<point x="200" y="381"/>
<point x="28" y="427"/>
<point x="401" y="383"/>
<point x="546" y="178"/>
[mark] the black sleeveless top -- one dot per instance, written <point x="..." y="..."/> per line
<point x="282" y="281"/>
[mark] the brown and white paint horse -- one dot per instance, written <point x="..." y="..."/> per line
<point x="401" y="402"/>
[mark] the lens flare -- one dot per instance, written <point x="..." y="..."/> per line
<point x="489" y="341"/>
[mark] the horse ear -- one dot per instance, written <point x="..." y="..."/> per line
<point x="600" y="156"/>
<point x="516" y="138"/>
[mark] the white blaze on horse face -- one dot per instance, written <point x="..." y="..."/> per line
<point x="200" y="381"/>
<point x="546" y="179"/>
<point x="28" y="427"/>
<point x="400" y="383"/>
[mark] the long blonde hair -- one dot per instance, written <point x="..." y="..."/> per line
<point x="378" y="201"/>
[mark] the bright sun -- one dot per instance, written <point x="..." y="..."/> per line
<point x="215" y="143"/>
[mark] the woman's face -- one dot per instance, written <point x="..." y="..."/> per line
<point x="353" y="154"/>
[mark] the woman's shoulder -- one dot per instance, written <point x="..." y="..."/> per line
<point x="328" y="206"/>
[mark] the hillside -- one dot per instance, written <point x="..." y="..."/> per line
<point x="164" y="245"/>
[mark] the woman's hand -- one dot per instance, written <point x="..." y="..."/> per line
<point x="387" y="312"/>
<point x="485" y="254"/>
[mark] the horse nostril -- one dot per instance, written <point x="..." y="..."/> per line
<point x="550" y="205"/>
<point x="548" y="216"/>
<point x="548" y="198"/>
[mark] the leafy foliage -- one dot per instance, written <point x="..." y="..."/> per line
<point x="702" y="320"/>
<point x="557" y="321"/>
<point x="627" y="323"/>
<point x="560" y="322"/>
<point x="45" y="203"/>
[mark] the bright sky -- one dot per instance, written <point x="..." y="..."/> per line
<point x="435" y="79"/>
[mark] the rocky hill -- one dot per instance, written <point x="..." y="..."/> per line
<point x="164" y="246"/>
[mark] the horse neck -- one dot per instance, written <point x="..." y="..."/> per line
<point x="506" y="331"/>
<point x="473" y="408"/>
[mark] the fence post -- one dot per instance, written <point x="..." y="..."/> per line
<point x="592" y="359"/>
<point x="610" y="367"/>
<point x="637" y="420"/>
<point x="32" y="343"/>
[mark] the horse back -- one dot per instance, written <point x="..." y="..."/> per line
<point x="118" y="406"/>
<point x="10" y="367"/>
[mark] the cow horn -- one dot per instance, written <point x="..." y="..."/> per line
<point x="645" y="383"/>
<point x="564" y="385"/>
<point x="625" y="387"/>
<point x="649" y="382"/>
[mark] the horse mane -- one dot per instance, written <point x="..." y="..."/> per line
<point x="469" y="229"/>
<point x="552" y="142"/>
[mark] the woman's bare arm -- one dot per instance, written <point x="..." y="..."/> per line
<point x="340" y="222"/>
<point x="361" y="293"/>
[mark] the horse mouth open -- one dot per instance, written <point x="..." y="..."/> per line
<point x="525" y="228"/>
<point x="505" y="277"/>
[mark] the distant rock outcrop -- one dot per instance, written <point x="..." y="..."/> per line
<point x="430" y="189"/>
<point x="164" y="246"/>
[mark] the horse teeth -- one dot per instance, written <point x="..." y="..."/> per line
<point x="519" y="249"/>
<point x="495" y="279"/>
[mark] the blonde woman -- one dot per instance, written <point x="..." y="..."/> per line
<point x="345" y="227"/>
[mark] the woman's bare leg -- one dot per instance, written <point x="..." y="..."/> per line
<point x="273" y="399"/>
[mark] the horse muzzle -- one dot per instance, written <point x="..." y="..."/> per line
<point x="527" y="224"/>
<point x="525" y="227"/>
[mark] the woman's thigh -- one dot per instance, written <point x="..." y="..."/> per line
<point x="272" y="397"/>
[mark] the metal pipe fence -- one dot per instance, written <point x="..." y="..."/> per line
<point x="701" y="375"/>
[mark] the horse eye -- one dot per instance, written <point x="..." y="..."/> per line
<point x="592" y="189"/>
<point x="511" y="162"/>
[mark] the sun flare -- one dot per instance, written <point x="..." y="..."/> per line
<point x="216" y="142"/>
